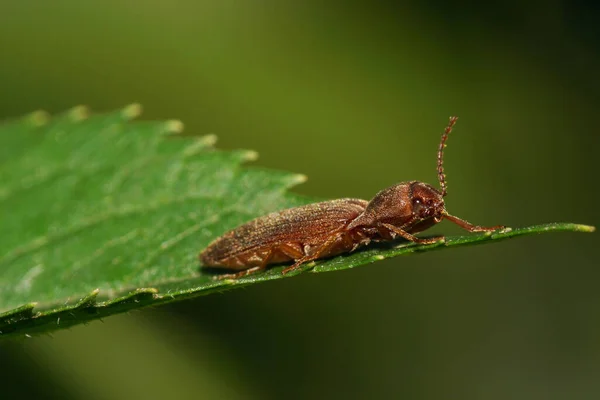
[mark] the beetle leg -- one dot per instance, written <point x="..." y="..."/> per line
<point x="412" y="238"/>
<point x="248" y="271"/>
<point x="469" y="226"/>
<point x="320" y="251"/>
<point x="292" y="250"/>
<point x="354" y="244"/>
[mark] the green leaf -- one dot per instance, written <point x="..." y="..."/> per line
<point x="102" y="215"/>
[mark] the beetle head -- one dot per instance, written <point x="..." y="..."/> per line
<point x="427" y="202"/>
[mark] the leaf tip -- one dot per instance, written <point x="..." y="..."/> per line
<point x="132" y="111"/>
<point x="586" y="228"/>
<point x="79" y="113"/>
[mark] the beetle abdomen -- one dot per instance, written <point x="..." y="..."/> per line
<point x="281" y="236"/>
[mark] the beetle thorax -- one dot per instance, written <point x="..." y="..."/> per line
<point x="404" y="205"/>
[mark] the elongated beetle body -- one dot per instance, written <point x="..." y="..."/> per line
<point x="328" y="228"/>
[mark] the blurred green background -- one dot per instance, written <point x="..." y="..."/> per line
<point x="354" y="95"/>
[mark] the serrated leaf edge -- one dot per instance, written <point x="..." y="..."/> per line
<point x="25" y="321"/>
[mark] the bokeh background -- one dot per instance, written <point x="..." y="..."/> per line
<point x="354" y="95"/>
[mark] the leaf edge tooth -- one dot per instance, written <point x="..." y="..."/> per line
<point x="24" y="312"/>
<point x="131" y="296"/>
<point x="132" y="111"/>
<point x="292" y="180"/>
<point x="79" y="113"/>
<point x="90" y="300"/>
<point x="38" y="118"/>
<point x="199" y="145"/>
<point x="173" y="127"/>
<point x="249" y="155"/>
<point x="298" y="179"/>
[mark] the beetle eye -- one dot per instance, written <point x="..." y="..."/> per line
<point x="417" y="203"/>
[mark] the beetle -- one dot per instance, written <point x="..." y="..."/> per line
<point x="318" y="230"/>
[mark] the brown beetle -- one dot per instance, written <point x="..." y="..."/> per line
<point x="332" y="227"/>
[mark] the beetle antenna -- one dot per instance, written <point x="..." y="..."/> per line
<point x="440" y="155"/>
